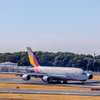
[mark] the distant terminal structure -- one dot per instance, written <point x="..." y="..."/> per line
<point x="7" y="66"/>
<point x="12" y="67"/>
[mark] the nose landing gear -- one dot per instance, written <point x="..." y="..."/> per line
<point x="83" y="83"/>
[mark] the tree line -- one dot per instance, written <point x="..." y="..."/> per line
<point x="60" y="59"/>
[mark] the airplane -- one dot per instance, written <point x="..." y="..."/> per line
<point x="53" y="74"/>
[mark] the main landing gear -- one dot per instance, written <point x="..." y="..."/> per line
<point x="65" y="82"/>
<point x="58" y="82"/>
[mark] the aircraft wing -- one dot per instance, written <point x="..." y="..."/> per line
<point x="32" y="74"/>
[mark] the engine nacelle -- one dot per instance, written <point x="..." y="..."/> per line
<point x="90" y="76"/>
<point x="26" y="77"/>
<point x="46" y="79"/>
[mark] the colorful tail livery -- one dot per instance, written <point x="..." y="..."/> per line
<point x="32" y="58"/>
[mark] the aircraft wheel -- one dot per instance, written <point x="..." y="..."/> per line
<point x="83" y="83"/>
<point x="64" y="82"/>
<point x="57" y="82"/>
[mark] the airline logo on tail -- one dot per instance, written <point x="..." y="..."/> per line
<point x="32" y="58"/>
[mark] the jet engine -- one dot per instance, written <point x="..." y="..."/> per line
<point x="90" y="76"/>
<point x="26" y="77"/>
<point x="46" y="79"/>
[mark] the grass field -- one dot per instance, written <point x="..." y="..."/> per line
<point x="46" y="97"/>
<point x="96" y="77"/>
<point x="42" y="87"/>
<point x="8" y="76"/>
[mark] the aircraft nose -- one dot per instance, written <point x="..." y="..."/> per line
<point x="85" y="77"/>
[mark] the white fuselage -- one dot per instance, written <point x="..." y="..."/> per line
<point x="64" y="72"/>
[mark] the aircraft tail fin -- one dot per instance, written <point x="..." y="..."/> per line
<point x="32" y="58"/>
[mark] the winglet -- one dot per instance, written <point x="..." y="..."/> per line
<point x="32" y="58"/>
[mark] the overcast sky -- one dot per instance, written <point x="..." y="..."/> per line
<point x="50" y="25"/>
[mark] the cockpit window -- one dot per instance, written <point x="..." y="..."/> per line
<point x="83" y="73"/>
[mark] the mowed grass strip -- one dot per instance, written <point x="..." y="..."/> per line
<point x="9" y="76"/>
<point x="46" y="97"/>
<point x="96" y="77"/>
<point x="40" y="87"/>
